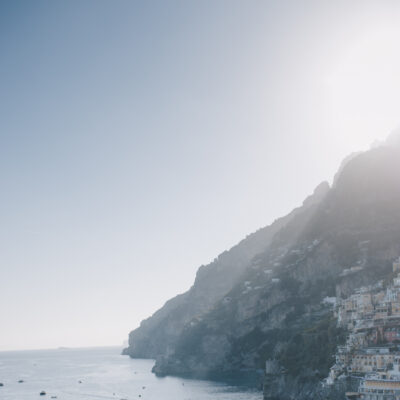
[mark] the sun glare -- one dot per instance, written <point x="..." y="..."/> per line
<point x="364" y="87"/>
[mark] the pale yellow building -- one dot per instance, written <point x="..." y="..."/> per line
<point x="363" y="362"/>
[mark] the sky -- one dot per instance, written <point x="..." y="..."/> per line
<point x="139" y="140"/>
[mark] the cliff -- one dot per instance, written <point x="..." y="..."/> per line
<point x="158" y="334"/>
<point x="263" y="300"/>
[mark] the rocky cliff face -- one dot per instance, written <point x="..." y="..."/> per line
<point x="263" y="300"/>
<point x="158" y="334"/>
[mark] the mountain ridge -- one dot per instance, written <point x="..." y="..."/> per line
<point x="273" y="308"/>
<point x="236" y="259"/>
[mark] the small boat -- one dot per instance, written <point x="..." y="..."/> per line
<point x="43" y="393"/>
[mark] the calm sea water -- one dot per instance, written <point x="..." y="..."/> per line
<point x="104" y="374"/>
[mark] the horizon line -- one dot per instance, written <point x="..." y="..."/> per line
<point x="63" y="348"/>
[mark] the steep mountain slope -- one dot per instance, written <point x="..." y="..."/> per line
<point x="273" y="309"/>
<point x="157" y="335"/>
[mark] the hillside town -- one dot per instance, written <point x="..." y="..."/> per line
<point x="371" y="353"/>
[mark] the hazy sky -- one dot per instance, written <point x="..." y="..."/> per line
<point x="138" y="140"/>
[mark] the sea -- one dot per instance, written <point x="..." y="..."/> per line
<point x="101" y="373"/>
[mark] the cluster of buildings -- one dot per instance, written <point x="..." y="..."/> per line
<point x="372" y="349"/>
<point x="380" y="385"/>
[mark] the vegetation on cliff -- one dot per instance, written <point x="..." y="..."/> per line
<point x="270" y="305"/>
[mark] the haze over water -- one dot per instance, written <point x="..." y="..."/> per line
<point x="104" y="374"/>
